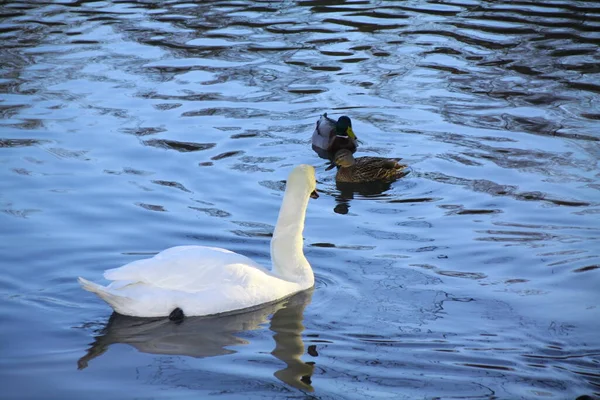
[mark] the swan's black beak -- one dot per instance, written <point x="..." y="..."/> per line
<point x="314" y="194"/>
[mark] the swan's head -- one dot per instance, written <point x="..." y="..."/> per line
<point x="344" y="158"/>
<point x="303" y="178"/>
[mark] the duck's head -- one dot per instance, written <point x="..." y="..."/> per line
<point x="303" y="178"/>
<point x="344" y="158"/>
<point x="343" y="127"/>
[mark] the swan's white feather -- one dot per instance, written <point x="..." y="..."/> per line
<point x="199" y="280"/>
<point x="190" y="269"/>
<point x="208" y="280"/>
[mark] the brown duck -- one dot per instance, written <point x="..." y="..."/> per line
<point x="367" y="169"/>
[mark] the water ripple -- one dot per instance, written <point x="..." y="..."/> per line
<point x="475" y="275"/>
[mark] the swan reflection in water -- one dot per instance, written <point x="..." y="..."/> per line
<point x="211" y="336"/>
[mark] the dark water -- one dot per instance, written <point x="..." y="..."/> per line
<point x="129" y="127"/>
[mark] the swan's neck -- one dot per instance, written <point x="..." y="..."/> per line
<point x="287" y="255"/>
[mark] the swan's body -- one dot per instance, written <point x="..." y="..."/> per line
<point x="206" y="280"/>
<point x="330" y="136"/>
<point x="367" y="169"/>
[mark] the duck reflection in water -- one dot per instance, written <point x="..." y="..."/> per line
<point x="367" y="190"/>
<point x="201" y="337"/>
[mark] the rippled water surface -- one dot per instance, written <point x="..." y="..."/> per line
<point x="129" y="127"/>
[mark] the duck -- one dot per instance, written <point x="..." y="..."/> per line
<point x="366" y="169"/>
<point x="198" y="280"/>
<point x="330" y="136"/>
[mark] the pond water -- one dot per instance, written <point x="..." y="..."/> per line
<point x="130" y="127"/>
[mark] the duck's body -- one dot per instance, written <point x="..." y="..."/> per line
<point x="201" y="280"/>
<point x="330" y="136"/>
<point x="367" y="169"/>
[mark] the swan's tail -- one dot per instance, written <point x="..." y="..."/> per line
<point x="115" y="301"/>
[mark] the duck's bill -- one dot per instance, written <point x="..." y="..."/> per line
<point x="351" y="133"/>
<point x="330" y="166"/>
<point x="314" y="194"/>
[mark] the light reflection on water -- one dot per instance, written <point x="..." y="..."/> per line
<point x="129" y="127"/>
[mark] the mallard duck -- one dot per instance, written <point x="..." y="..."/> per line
<point x="199" y="280"/>
<point x="366" y="169"/>
<point x="330" y="136"/>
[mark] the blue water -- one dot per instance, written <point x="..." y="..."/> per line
<point x="129" y="127"/>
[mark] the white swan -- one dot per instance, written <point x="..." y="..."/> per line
<point x="198" y="280"/>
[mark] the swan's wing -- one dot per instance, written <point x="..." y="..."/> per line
<point x="187" y="268"/>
